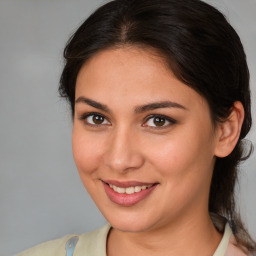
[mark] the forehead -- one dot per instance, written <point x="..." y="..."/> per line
<point x="131" y="74"/>
<point x="125" y="63"/>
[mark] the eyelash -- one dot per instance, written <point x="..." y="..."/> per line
<point x="166" y="118"/>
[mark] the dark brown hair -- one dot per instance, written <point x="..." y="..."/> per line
<point x="203" y="51"/>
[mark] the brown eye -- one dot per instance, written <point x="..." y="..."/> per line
<point x="98" y="119"/>
<point x="95" y="119"/>
<point x="159" y="121"/>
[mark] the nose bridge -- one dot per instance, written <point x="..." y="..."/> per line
<point x="123" y="151"/>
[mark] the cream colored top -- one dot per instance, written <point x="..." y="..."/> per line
<point x="94" y="244"/>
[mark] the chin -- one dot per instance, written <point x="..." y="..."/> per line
<point x="130" y="227"/>
<point x="129" y="222"/>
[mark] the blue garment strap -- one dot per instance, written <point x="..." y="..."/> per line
<point x="70" y="245"/>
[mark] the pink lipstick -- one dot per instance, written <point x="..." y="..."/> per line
<point x="127" y="193"/>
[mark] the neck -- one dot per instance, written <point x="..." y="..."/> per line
<point x="182" y="237"/>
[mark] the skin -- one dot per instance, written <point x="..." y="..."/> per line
<point x="128" y="146"/>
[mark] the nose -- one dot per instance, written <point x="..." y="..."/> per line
<point x="123" y="153"/>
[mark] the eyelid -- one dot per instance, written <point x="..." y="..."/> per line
<point x="167" y="118"/>
<point x="86" y="115"/>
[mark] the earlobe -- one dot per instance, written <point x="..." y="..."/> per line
<point x="229" y="131"/>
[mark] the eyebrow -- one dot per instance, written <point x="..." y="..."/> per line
<point x="137" y="110"/>
<point x="156" y="105"/>
<point x="93" y="103"/>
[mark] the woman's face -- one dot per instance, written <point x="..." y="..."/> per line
<point x="143" y="141"/>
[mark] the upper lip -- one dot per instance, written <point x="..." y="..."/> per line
<point x="127" y="184"/>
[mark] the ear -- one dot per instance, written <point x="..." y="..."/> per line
<point x="229" y="131"/>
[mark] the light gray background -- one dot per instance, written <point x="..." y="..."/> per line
<point x="41" y="196"/>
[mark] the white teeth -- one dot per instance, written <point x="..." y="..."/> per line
<point x="120" y="190"/>
<point x="137" y="189"/>
<point x="129" y="190"/>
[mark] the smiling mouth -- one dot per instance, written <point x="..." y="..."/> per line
<point x="129" y="190"/>
<point x="128" y="193"/>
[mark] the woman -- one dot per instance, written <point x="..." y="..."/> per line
<point x="160" y="99"/>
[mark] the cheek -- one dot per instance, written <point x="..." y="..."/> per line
<point x="185" y="168"/>
<point x="186" y="154"/>
<point x="86" y="152"/>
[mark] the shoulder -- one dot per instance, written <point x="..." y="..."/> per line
<point x="94" y="243"/>
<point x="53" y="247"/>
<point x="234" y="250"/>
<point x="228" y="245"/>
<point x="73" y="245"/>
